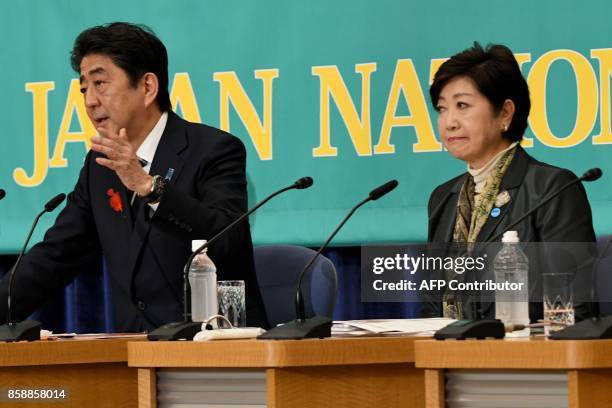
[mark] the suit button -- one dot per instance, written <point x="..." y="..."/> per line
<point x="141" y="305"/>
<point x="189" y="229"/>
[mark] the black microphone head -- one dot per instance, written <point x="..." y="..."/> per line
<point x="304" y="182"/>
<point x="592" y="174"/>
<point x="2" y="193"/>
<point x="382" y="190"/>
<point x="54" y="202"/>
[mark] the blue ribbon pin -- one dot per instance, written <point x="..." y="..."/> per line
<point x="169" y="174"/>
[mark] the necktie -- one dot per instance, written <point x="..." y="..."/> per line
<point x="137" y="204"/>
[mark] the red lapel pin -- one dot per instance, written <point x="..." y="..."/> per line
<point x="114" y="200"/>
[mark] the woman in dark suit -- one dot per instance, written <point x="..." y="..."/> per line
<point x="483" y="103"/>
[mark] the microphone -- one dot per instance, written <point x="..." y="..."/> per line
<point x="54" y="202"/>
<point x="187" y="328"/>
<point x="2" y="193"/>
<point x="303" y="183"/>
<point x="382" y="190"/>
<point x="590" y="175"/>
<point x="29" y="329"/>
<point x="318" y="326"/>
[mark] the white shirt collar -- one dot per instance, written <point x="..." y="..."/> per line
<point x="148" y="147"/>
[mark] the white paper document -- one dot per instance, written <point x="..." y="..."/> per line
<point x="389" y="327"/>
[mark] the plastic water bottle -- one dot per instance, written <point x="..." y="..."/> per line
<point x="203" y="282"/>
<point x="511" y="265"/>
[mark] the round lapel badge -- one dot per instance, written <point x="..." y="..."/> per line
<point x="495" y="212"/>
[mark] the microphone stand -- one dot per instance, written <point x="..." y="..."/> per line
<point x="187" y="328"/>
<point x="589" y="175"/>
<point x="28" y="330"/>
<point x="317" y="326"/>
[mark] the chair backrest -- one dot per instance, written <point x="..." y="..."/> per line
<point x="278" y="268"/>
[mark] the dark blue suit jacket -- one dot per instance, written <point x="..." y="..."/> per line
<point x="145" y="256"/>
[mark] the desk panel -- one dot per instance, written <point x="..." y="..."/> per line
<point x="583" y="368"/>
<point x="339" y="372"/>
<point x="93" y="373"/>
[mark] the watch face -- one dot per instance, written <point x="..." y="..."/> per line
<point x="152" y="190"/>
<point x="155" y="184"/>
<point x="157" y="189"/>
<point x="160" y="184"/>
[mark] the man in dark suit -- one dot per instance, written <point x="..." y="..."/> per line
<point x="151" y="184"/>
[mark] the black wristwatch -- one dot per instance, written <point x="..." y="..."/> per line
<point x="158" y="186"/>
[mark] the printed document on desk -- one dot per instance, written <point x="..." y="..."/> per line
<point x="389" y="327"/>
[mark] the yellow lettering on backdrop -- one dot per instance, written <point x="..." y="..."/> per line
<point x="231" y="90"/>
<point x="434" y="66"/>
<point x="522" y="58"/>
<point x="605" y="72"/>
<point x="586" y="93"/>
<point x="406" y="82"/>
<point x="182" y="95"/>
<point x="40" y="118"/>
<point x="74" y="103"/>
<point x="359" y="128"/>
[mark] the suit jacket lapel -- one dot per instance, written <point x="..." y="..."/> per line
<point x="172" y="143"/>
<point x="108" y="181"/>
<point x="167" y="156"/>
<point x="126" y="197"/>
<point x="510" y="182"/>
<point x="445" y="213"/>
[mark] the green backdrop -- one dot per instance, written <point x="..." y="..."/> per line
<point x="267" y="70"/>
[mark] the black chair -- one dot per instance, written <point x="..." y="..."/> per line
<point x="278" y="268"/>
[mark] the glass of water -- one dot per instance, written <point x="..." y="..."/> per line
<point x="231" y="299"/>
<point x="558" y="301"/>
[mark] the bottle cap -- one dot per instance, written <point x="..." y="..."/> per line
<point x="510" y="236"/>
<point x="196" y="243"/>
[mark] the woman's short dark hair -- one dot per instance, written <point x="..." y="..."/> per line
<point x="133" y="48"/>
<point x="496" y="75"/>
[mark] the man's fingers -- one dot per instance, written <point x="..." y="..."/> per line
<point x="105" y="141"/>
<point x="100" y="149"/>
<point x="118" y="164"/>
<point x="113" y="148"/>
<point x="106" y="163"/>
<point x="123" y="134"/>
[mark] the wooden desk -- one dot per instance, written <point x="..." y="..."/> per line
<point x="92" y="372"/>
<point x="585" y="367"/>
<point x="338" y="372"/>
